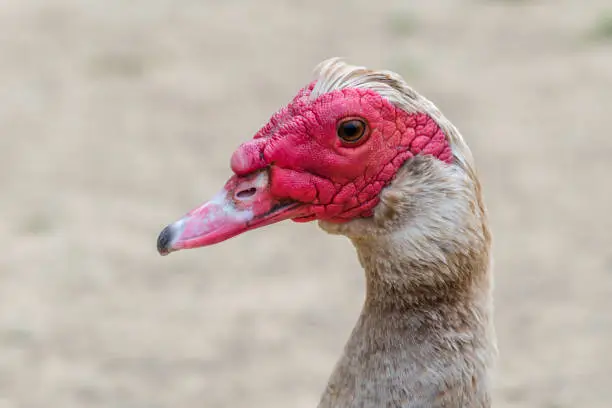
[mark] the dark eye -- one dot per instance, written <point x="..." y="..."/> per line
<point x="351" y="130"/>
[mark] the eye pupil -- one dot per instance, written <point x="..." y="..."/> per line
<point x="351" y="130"/>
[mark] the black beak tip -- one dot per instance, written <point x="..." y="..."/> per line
<point x="163" y="241"/>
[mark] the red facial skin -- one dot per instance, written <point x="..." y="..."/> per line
<point x="314" y="170"/>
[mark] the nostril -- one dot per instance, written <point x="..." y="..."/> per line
<point x="244" y="194"/>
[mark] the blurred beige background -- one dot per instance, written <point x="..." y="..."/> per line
<point x="118" y="116"/>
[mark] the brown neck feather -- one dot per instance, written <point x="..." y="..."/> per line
<point x="425" y="334"/>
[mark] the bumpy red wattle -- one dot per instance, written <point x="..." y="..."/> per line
<point x="310" y="164"/>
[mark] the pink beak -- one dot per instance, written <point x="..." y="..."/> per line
<point x="244" y="203"/>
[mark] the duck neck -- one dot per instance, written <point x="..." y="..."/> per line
<point x="425" y="335"/>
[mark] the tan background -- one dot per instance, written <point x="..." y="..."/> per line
<point x="118" y="116"/>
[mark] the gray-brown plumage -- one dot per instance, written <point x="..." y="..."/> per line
<point x="425" y="336"/>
